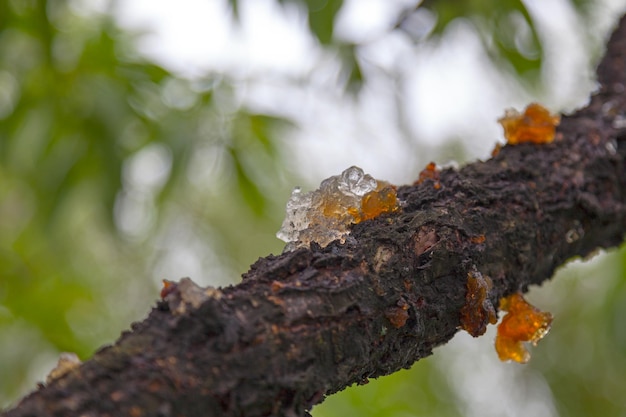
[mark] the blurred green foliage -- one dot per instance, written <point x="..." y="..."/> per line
<point x="505" y="26"/>
<point x="420" y="391"/>
<point x="79" y="225"/>
<point x="321" y="16"/>
<point x="584" y="356"/>
<point x="110" y="164"/>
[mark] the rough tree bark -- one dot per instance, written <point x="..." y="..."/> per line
<point x="308" y="323"/>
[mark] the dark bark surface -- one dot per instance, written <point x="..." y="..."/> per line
<point x="308" y="323"/>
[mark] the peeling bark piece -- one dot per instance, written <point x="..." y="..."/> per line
<point x="523" y="323"/>
<point x="187" y="293"/>
<point x="424" y="240"/>
<point x="535" y="125"/>
<point x="478" y="311"/>
<point x="67" y="362"/>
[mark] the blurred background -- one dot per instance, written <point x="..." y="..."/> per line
<point x="145" y="140"/>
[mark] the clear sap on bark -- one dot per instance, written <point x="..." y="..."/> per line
<point x="325" y="214"/>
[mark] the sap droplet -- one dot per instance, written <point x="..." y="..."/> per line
<point x="477" y="240"/>
<point x="398" y="315"/>
<point x="535" y="125"/>
<point x="325" y="215"/>
<point x="478" y="310"/>
<point x="375" y="203"/>
<point x="522" y="323"/>
<point x="496" y="150"/>
<point x="297" y="218"/>
<point x="168" y="287"/>
<point x="355" y="181"/>
<point x="430" y="173"/>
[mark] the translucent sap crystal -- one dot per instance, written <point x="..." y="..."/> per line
<point x="354" y="181"/>
<point x="297" y="218"/>
<point x="325" y="214"/>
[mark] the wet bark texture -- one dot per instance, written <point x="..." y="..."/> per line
<point x="308" y="323"/>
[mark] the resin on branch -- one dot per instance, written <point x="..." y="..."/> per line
<point x="535" y="125"/>
<point x="478" y="311"/>
<point x="522" y="323"/>
<point x="325" y="214"/>
<point x="429" y="173"/>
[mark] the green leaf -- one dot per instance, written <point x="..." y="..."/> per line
<point x="322" y="18"/>
<point x="493" y="20"/>
<point x="248" y="189"/>
<point x="234" y="8"/>
<point x="351" y="67"/>
<point x="263" y="128"/>
<point x="583" y="6"/>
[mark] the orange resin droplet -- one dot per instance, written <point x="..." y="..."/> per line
<point x="522" y="323"/>
<point x="478" y="311"/>
<point x="168" y="287"/>
<point x="497" y="148"/>
<point x="429" y="173"/>
<point x="378" y="202"/>
<point x="397" y="316"/>
<point x="327" y="214"/>
<point x="477" y="240"/>
<point x="382" y="200"/>
<point x="535" y="125"/>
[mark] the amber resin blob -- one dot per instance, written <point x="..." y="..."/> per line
<point x="535" y="125"/>
<point x="326" y="214"/>
<point x="431" y="172"/>
<point x="478" y="311"/>
<point x="522" y="323"/>
<point x="381" y="200"/>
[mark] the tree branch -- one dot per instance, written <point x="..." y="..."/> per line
<point x="308" y="323"/>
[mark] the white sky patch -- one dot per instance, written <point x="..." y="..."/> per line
<point x="287" y="46"/>
<point x="459" y="92"/>
<point x="184" y="251"/>
<point x="564" y="45"/>
<point x="187" y="36"/>
<point x="361" y="21"/>
<point x="197" y="36"/>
